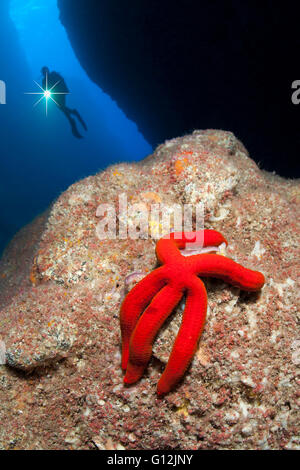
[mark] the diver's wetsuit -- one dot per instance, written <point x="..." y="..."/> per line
<point x="56" y="84"/>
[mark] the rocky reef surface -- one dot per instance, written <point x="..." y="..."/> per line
<point x="60" y="293"/>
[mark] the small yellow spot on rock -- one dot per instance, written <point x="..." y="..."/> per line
<point x="151" y="196"/>
<point x="183" y="409"/>
<point x="32" y="277"/>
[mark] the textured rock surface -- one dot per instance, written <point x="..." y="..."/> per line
<point x="60" y="293"/>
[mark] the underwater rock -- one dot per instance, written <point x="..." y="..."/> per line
<point x="60" y="294"/>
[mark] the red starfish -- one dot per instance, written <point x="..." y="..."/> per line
<point x="159" y="292"/>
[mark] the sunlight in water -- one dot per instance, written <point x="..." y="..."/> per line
<point x="46" y="43"/>
<point x="42" y="34"/>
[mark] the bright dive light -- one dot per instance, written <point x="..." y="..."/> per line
<point x="45" y="93"/>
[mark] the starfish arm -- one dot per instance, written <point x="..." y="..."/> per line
<point x="167" y="251"/>
<point x="203" y="237"/>
<point x="167" y="248"/>
<point x="211" y="265"/>
<point x="146" y="330"/>
<point x="135" y="303"/>
<point x="187" y="338"/>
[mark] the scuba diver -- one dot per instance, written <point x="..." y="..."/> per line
<point x="54" y="83"/>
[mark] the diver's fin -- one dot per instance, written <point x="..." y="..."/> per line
<point x="74" y="129"/>
<point x="76" y="113"/>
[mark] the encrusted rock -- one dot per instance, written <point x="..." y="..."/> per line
<point x="61" y="289"/>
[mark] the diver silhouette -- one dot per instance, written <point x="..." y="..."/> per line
<point x="54" y="82"/>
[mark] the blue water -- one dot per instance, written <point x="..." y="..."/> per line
<point x="40" y="157"/>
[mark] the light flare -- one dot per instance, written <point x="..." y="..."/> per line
<point x="46" y="94"/>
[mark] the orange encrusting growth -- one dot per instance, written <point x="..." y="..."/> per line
<point x="152" y="300"/>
